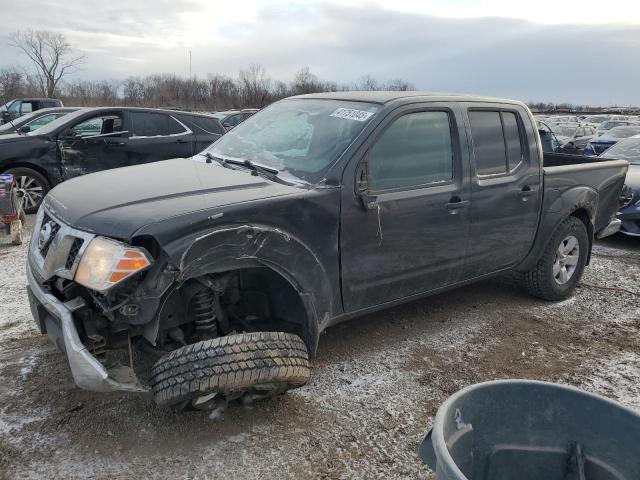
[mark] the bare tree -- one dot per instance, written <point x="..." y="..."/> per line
<point x="398" y="85"/>
<point x="51" y="54"/>
<point x="255" y="84"/>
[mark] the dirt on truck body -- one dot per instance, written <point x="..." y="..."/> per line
<point x="225" y="268"/>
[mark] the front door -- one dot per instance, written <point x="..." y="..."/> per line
<point x="93" y="144"/>
<point x="404" y="232"/>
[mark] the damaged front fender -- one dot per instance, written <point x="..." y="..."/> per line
<point x="233" y="247"/>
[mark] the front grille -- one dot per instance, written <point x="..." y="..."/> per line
<point x="56" y="247"/>
<point x="73" y="253"/>
<point x="54" y="226"/>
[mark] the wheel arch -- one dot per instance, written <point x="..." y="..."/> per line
<point x="238" y="247"/>
<point x="580" y="202"/>
<point x="11" y="164"/>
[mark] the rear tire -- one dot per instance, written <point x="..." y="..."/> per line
<point x="561" y="265"/>
<point x="32" y="185"/>
<point x="243" y="366"/>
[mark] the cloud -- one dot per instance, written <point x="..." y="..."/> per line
<point x="507" y="57"/>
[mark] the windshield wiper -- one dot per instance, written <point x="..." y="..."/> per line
<point x="256" y="167"/>
<point x="210" y="158"/>
<point x="225" y="162"/>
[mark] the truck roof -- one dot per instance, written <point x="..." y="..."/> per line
<point x="390" y="96"/>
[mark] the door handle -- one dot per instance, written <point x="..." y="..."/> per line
<point x="455" y="204"/>
<point x="526" y="192"/>
<point x="115" y="144"/>
<point x="181" y="140"/>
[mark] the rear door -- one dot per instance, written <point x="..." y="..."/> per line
<point x="505" y="187"/>
<point x="155" y="136"/>
<point x="405" y="230"/>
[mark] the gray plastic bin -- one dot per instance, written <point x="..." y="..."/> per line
<point x="528" y="430"/>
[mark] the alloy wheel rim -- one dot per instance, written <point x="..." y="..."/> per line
<point x="29" y="190"/>
<point x="566" y="260"/>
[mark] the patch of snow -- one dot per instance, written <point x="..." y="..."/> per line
<point x="616" y="377"/>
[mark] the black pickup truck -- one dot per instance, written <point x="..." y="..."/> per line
<point x="319" y="208"/>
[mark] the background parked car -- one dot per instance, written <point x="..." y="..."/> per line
<point x="609" y="124"/>
<point x="231" y="118"/>
<point x="95" y="139"/>
<point x="21" y="106"/>
<point x="554" y="119"/>
<point x="595" y="120"/>
<point x="573" y="137"/>
<point x="597" y="145"/>
<point x="32" y="121"/>
<point x="629" y="149"/>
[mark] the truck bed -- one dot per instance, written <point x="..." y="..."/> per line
<point x="564" y="171"/>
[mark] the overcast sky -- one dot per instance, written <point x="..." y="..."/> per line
<point x="549" y="50"/>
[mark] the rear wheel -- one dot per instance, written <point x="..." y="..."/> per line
<point x="560" y="267"/>
<point x="246" y="367"/>
<point x="31" y="187"/>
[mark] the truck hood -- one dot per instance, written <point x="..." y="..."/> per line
<point x="117" y="203"/>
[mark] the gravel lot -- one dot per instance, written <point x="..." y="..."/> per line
<point x="376" y="384"/>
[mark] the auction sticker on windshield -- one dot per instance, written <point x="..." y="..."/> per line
<point x="351" y="114"/>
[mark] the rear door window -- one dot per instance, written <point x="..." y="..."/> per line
<point x="148" y="124"/>
<point x="416" y="149"/>
<point x="497" y="141"/>
<point x="488" y="142"/>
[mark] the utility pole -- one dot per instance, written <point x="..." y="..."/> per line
<point x="191" y="101"/>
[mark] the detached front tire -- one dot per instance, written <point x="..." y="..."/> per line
<point x="243" y="366"/>
<point x="562" y="263"/>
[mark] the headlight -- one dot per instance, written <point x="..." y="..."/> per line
<point x="106" y="263"/>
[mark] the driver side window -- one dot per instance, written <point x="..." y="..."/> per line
<point x="99" y="125"/>
<point x="416" y="150"/>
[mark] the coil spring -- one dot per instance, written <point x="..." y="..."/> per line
<point x="203" y="309"/>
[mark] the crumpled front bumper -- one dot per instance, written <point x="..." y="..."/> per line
<point x="613" y="227"/>
<point x="57" y="318"/>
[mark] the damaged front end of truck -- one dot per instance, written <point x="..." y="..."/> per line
<point x="223" y="318"/>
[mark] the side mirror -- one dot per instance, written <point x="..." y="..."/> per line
<point x="25" y="129"/>
<point x="542" y="132"/>
<point x="227" y="126"/>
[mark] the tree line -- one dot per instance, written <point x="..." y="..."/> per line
<point x="251" y="88"/>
